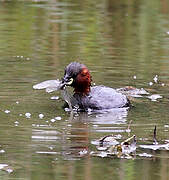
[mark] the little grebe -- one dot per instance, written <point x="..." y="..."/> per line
<point x="91" y="97"/>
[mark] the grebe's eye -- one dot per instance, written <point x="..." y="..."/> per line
<point x="84" y="72"/>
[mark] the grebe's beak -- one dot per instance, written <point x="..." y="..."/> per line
<point x="67" y="81"/>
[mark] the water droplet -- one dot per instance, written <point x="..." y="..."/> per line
<point x="134" y="77"/>
<point x="7" y="111"/>
<point x="145" y="155"/>
<point x="28" y="115"/>
<point x="2" y="151"/>
<point x="155" y="78"/>
<point x="67" y="109"/>
<point x="95" y="125"/>
<point x="54" y="97"/>
<point x="41" y="116"/>
<point x="150" y="83"/>
<point x="50" y="147"/>
<point x="83" y="152"/>
<point x="52" y="120"/>
<point x="58" y="118"/>
<point x="9" y="170"/>
<point x="128" y="130"/>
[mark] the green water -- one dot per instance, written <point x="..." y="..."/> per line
<point x="117" y="40"/>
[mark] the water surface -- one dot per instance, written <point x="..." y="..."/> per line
<point x="123" y="43"/>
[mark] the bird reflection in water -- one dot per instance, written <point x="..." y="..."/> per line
<point x="76" y="137"/>
<point x="80" y="126"/>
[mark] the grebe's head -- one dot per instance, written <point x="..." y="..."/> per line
<point x="78" y="76"/>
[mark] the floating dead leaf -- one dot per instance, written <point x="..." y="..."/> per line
<point x="132" y="91"/>
<point x="125" y="148"/>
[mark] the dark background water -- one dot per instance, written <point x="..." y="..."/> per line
<point x="117" y="40"/>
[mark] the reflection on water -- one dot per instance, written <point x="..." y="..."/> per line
<point x="74" y="138"/>
<point x="113" y="116"/>
<point x="124" y="44"/>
